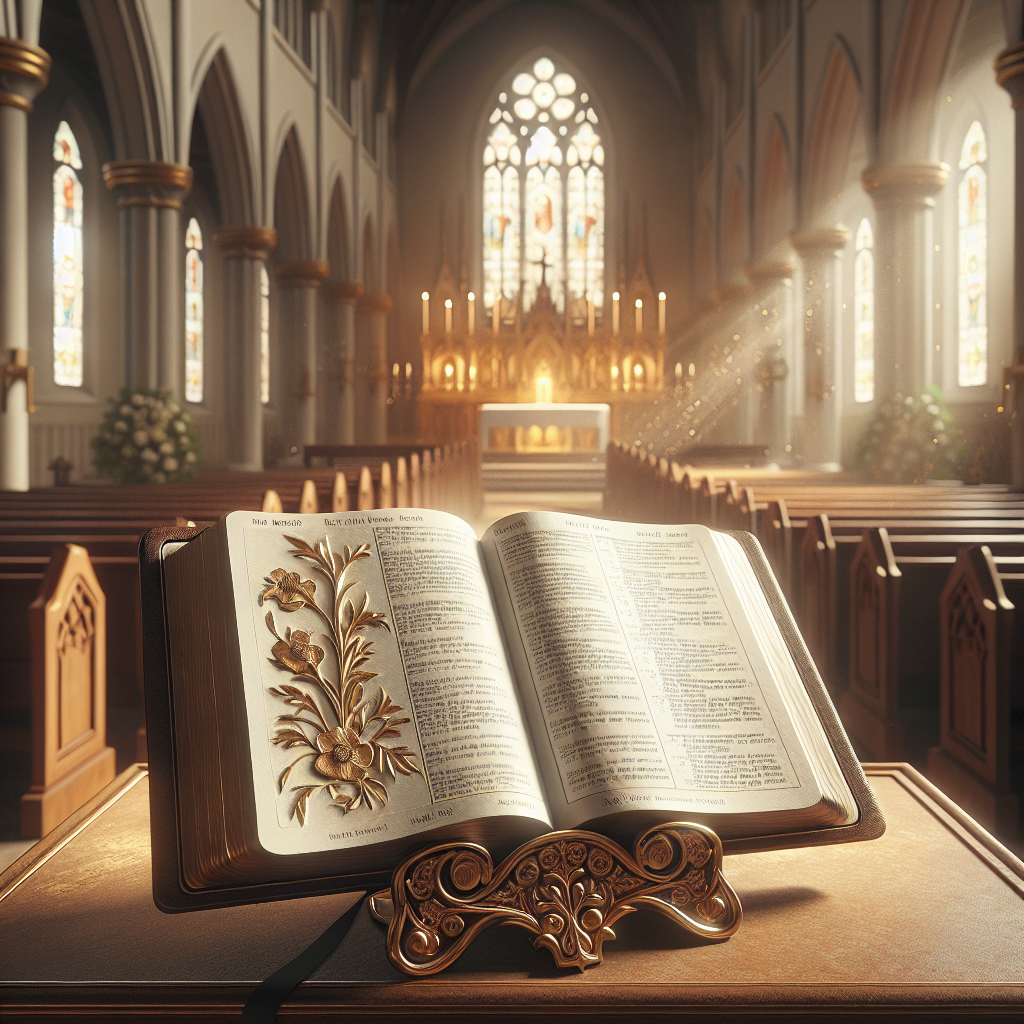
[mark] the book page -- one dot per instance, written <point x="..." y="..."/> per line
<point x="641" y="676"/>
<point x="435" y="678"/>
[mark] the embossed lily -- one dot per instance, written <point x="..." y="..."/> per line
<point x="289" y="590"/>
<point x="343" y="755"/>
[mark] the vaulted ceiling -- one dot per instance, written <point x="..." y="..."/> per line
<point x="416" y="33"/>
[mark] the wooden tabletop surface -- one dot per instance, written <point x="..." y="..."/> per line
<point x="928" y="918"/>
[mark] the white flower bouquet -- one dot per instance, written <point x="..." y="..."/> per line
<point x="912" y="439"/>
<point x="146" y="438"/>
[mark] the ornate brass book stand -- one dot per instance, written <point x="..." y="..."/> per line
<point x="567" y="888"/>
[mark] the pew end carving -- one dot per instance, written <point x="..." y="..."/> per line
<point x="71" y="761"/>
<point x="817" y="594"/>
<point x="972" y="762"/>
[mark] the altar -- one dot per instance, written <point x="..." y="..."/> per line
<point x="534" y="428"/>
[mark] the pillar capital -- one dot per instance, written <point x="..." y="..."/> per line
<point x="301" y="273"/>
<point x="910" y="185"/>
<point x="769" y="271"/>
<point x="148" y="182"/>
<point x="1009" y="68"/>
<point x="376" y="303"/>
<point x="820" y="241"/>
<point x="245" y="241"/>
<point x="24" y="73"/>
<point x="348" y="293"/>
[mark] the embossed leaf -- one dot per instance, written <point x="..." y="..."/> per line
<point x="302" y="804"/>
<point x="289" y="738"/>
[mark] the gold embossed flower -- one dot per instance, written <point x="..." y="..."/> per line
<point x="343" y="755"/>
<point x="297" y="653"/>
<point x="288" y="589"/>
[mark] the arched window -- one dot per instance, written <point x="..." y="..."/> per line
<point x="543" y="183"/>
<point x="864" y="315"/>
<point x="972" y="354"/>
<point x="193" y="312"/>
<point x="67" y="259"/>
<point x="264" y="336"/>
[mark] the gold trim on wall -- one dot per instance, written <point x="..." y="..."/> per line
<point x="245" y="241"/>
<point x="148" y="182"/>
<point x="301" y="273"/>
<point x="29" y="64"/>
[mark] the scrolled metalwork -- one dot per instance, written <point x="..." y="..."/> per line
<point x="566" y="888"/>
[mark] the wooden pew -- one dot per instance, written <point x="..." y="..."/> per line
<point x="978" y="671"/>
<point x="895" y="587"/>
<point x="71" y="761"/>
<point x="824" y="568"/>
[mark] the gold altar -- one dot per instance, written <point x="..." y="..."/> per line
<point x="542" y="355"/>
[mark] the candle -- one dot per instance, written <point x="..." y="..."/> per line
<point x="615" y="313"/>
<point x="471" y="325"/>
<point x="590" y="317"/>
<point x="661" y="312"/>
<point x="639" y="316"/>
<point x="426" y="312"/>
<point x="447" y="316"/>
<point x="496" y="314"/>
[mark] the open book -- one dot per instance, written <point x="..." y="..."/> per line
<point x="342" y="689"/>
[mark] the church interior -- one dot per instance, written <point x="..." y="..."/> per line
<point x="751" y="264"/>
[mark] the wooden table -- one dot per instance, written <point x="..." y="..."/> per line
<point x="927" y="919"/>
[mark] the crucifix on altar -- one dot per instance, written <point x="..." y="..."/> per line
<point x="544" y="265"/>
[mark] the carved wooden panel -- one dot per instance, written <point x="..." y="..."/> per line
<point x="68" y="621"/>
<point x="874" y="624"/>
<point x="817" y="593"/>
<point x="75" y="667"/>
<point x="967" y="653"/>
<point x="976" y="624"/>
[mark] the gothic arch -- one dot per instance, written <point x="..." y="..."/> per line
<point x="775" y="195"/>
<point x="836" y="123"/>
<point x="337" y="233"/>
<point x="704" y="283"/>
<point x="734" y="233"/>
<point x="369" y="256"/>
<point x="228" y="138"/>
<point x="140" y="112"/>
<point x="918" y="67"/>
<point x="291" y="203"/>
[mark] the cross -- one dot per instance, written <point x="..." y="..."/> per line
<point x="544" y="265"/>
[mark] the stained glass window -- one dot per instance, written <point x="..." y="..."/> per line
<point x="864" y="315"/>
<point x="193" y="312"/>
<point x="972" y="355"/>
<point x="264" y="336"/>
<point x="67" y="260"/>
<point x="543" y="183"/>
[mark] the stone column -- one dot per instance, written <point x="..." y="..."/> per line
<point x="343" y="296"/>
<point x="818" y="298"/>
<point x="24" y="72"/>
<point x="149" y="195"/>
<point x="373" y="367"/>
<point x="1010" y="75"/>
<point x="772" y="332"/>
<point x="244" y="251"/>
<point x="299" y="281"/>
<point x="904" y="196"/>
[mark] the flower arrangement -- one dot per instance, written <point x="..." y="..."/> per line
<point x="913" y="438"/>
<point x="146" y="438"/>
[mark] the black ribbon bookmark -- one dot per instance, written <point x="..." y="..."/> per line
<point x="261" y="1007"/>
